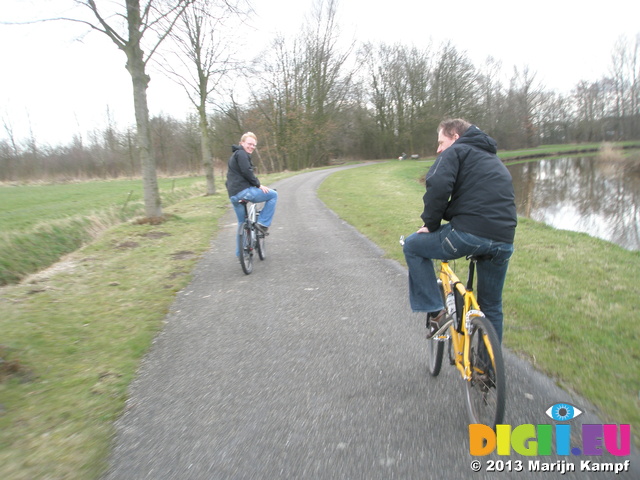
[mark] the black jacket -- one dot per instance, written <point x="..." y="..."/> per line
<point x="469" y="186"/>
<point x="240" y="172"/>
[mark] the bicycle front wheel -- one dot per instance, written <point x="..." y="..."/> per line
<point x="246" y="249"/>
<point x="435" y="349"/>
<point x="261" y="246"/>
<point x="486" y="389"/>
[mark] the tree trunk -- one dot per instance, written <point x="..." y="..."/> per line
<point x="207" y="161"/>
<point x="140" y="80"/>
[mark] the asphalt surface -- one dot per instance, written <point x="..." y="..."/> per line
<point x="312" y="367"/>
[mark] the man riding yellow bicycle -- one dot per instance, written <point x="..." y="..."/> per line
<point x="469" y="187"/>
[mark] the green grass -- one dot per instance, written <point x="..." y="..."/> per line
<point x="41" y="223"/>
<point x="78" y="336"/>
<point x="23" y="207"/>
<point x="570" y="299"/>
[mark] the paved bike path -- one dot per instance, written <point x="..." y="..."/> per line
<point x="312" y="367"/>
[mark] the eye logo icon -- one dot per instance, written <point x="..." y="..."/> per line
<point x="563" y="412"/>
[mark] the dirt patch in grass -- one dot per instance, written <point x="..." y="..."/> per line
<point x="155" y="234"/>
<point x="12" y="367"/>
<point x="153" y="220"/>
<point x="127" y="245"/>
<point x="183" y="255"/>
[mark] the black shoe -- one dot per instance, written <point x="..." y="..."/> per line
<point x="262" y="228"/>
<point x="435" y="321"/>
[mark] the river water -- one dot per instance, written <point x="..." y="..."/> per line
<point x="582" y="194"/>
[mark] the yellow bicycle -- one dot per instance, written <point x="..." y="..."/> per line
<point x="473" y="347"/>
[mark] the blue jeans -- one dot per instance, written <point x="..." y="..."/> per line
<point x="255" y="195"/>
<point x="447" y="244"/>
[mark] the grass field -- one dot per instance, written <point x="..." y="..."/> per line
<point x="23" y="207"/>
<point x="73" y="335"/>
<point x="41" y="223"/>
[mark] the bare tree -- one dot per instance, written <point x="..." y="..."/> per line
<point x="277" y="105"/>
<point x="620" y="62"/>
<point x="385" y="87"/>
<point x="524" y="101"/>
<point x="397" y="79"/>
<point x="8" y="128"/>
<point x="454" y="87"/>
<point x="624" y="108"/>
<point x="155" y="18"/>
<point x="9" y="152"/>
<point x="327" y="81"/>
<point x="553" y="118"/>
<point x="589" y="100"/>
<point x="635" y="86"/>
<point x="491" y="93"/>
<point x="301" y="89"/>
<point x="205" y="54"/>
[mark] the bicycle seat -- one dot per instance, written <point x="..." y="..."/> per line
<point x="243" y="201"/>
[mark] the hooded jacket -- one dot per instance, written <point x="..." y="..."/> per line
<point x="469" y="186"/>
<point x="240" y="172"/>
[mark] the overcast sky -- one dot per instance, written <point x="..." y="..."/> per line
<point x="57" y="86"/>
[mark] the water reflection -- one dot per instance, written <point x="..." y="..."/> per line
<point x="583" y="194"/>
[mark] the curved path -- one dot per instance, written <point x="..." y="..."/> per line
<point x="312" y="367"/>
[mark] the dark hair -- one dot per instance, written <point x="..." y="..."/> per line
<point x="451" y="126"/>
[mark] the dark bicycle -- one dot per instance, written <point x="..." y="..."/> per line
<point x="250" y="237"/>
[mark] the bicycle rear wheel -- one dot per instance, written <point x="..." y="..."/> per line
<point x="486" y="389"/>
<point x="246" y="249"/>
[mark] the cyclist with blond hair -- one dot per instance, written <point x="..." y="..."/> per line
<point x="242" y="183"/>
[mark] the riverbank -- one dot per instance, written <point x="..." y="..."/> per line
<point x="553" y="151"/>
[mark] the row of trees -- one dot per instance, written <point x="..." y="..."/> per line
<point x="315" y="98"/>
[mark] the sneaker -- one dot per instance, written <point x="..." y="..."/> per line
<point x="262" y="228"/>
<point x="435" y="322"/>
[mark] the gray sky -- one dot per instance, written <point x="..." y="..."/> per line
<point x="58" y="86"/>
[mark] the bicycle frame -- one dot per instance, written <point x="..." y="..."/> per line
<point x="252" y="213"/>
<point x="461" y="347"/>
<point x="249" y="216"/>
<point x="249" y="211"/>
